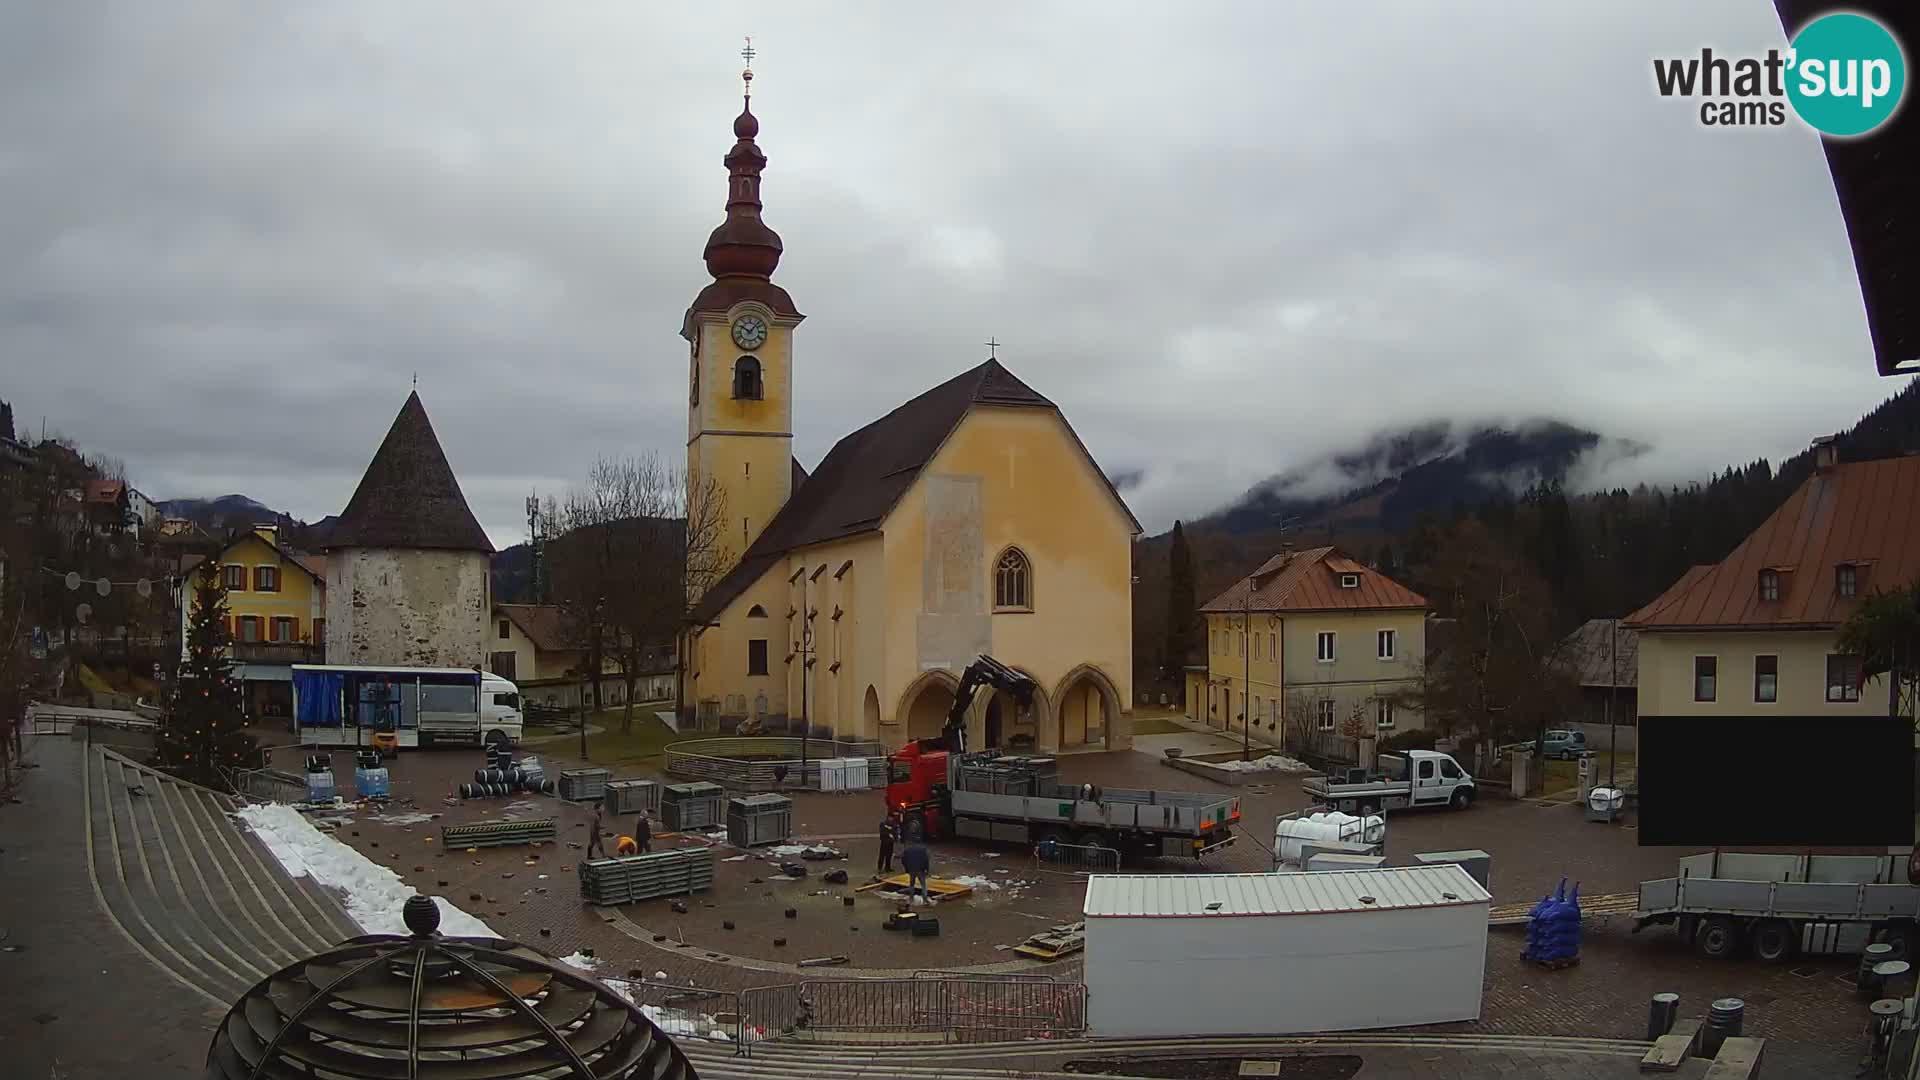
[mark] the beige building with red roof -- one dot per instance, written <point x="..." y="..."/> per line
<point x="1754" y="634"/>
<point x="1314" y="640"/>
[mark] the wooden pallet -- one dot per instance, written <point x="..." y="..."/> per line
<point x="897" y="887"/>
<point x="1591" y="907"/>
<point x="1055" y="942"/>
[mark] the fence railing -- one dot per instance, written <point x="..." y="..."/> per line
<point x="1326" y="746"/>
<point x="269" y="785"/>
<point x="1078" y="857"/>
<point x="761" y="762"/>
<point x="693" y="1012"/>
<point x="954" y="1008"/>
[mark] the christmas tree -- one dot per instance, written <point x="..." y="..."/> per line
<point x="203" y="732"/>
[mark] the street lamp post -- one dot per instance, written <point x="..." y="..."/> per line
<point x="1246" y="687"/>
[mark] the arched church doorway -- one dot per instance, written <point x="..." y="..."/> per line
<point x="1088" y="708"/>
<point x="926" y="704"/>
<point x="870" y="714"/>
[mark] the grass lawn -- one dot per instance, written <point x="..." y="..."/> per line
<point x="645" y="746"/>
<point x="1562" y="775"/>
<point x="1155" y="724"/>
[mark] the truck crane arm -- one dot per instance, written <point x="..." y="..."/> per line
<point x="984" y="671"/>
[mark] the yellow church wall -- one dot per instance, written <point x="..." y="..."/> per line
<point x="1013" y="477"/>
<point x="725" y="679"/>
<point x="744" y="444"/>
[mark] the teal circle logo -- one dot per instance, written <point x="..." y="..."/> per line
<point x="1847" y="74"/>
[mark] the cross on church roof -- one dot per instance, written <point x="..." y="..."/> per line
<point x="746" y="76"/>
<point x="993" y="349"/>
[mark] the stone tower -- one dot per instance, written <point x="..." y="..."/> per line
<point x="408" y="579"/>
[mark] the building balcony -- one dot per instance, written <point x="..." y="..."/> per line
<point x="278" y="652"/>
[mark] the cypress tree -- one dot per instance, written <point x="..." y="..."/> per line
<point x="1181" y="605"/>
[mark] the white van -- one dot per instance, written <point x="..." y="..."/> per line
<point x="499" y="710"/>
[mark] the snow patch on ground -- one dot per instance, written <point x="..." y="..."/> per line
<point x="580" y="960"/>
<point x="736" y="858"/>
<point x="374" y="894"/>
<point x="975" y="881"/>
<point x="403" y="819"/>
<point x="1270" y="763"/>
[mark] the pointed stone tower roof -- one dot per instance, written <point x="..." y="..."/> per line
<point x="408" y="497"/>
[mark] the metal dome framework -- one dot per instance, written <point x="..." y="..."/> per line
<point x="427" y="1007"/>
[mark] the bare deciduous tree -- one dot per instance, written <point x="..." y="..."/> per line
<point x="633" y="547"/>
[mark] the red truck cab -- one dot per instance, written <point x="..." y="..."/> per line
<point x="913" y="776"/>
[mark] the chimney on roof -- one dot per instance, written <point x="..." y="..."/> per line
<point x="1826" y="452"/>
<point x="269" y="532"/>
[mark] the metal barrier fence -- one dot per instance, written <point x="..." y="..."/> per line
<point x="269" y="785"/>
<point x="692" y="1012"/>
<point x="964" y="1008"/>
<point x="1078" y="858"/>
<point x="750" y="763"/>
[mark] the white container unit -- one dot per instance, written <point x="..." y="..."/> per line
<point x="833" y="774"/>
<point x="1283" y="954"/>
<point x="853" y="774"/>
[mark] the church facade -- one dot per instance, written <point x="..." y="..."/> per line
<point x="969" y="520"/>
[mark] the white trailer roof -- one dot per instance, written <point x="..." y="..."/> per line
<point x="1175" y="896"/>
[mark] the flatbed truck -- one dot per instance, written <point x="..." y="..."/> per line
<point x="1415" y="778"/>
<point x="937" y="788"/>
<point x="1778" y="906"/>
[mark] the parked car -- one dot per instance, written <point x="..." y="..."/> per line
<point x="1564" y="745"/>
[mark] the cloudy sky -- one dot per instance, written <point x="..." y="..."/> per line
<point x="1224" y="237"/>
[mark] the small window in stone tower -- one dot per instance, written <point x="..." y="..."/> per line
<point x="1013" y="582"/>
<point x="746" y="379"/>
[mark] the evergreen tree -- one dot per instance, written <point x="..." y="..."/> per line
<point x="1181" y="603"/>
<point x="203" y="731"/>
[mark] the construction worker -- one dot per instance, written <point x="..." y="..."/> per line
<point x="595" y="846"/>
<point x="918" y="864"/>
<point x="643" y="834"/>
<point x="888" y="833"/>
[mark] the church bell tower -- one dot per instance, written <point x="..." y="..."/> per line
<point x="739" y="332"/>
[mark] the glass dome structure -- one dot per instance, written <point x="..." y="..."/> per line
<point x="427" y="1007"/>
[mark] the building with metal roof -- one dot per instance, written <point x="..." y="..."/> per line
<point x="1207" y="896"/>
<point x="1757" y="630"/>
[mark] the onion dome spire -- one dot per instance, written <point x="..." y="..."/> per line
<point x="743" y="246"/>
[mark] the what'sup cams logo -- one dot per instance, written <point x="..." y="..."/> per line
<point x="1843" y="75"/>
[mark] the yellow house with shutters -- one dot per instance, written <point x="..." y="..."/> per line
<point x="1314" y="640"/>
<point x="969" y="520"/>
<point x="276" y="614"/>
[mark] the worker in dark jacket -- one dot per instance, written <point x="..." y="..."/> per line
<point x="596" y="848"/>
<point x="643" y="833"/>
<point x="918" y="864"/>
<point x="887" y="834"/>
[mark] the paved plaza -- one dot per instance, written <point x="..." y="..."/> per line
<point x="155" y="903"/>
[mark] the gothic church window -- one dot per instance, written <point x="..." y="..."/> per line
<point x="1013" y="581"/>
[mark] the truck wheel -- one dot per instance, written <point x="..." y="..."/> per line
<point x="1094" y="838"/>
<point x="914" y="829"/>
<point x="1369" y="808"/>
<point x="496" y="737"/>
<point x="1898" y="935"/>
<point x="1773" y="940"/>
<point x="1719" y="938"/>
<point x="1462" y="798"/>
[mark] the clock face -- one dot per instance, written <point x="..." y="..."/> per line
<point x="749" y="331"/>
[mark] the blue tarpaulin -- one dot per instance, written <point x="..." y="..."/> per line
<point x="316" y="698"/>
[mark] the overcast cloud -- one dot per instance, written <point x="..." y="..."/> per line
<point x="1223" y="237"/>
